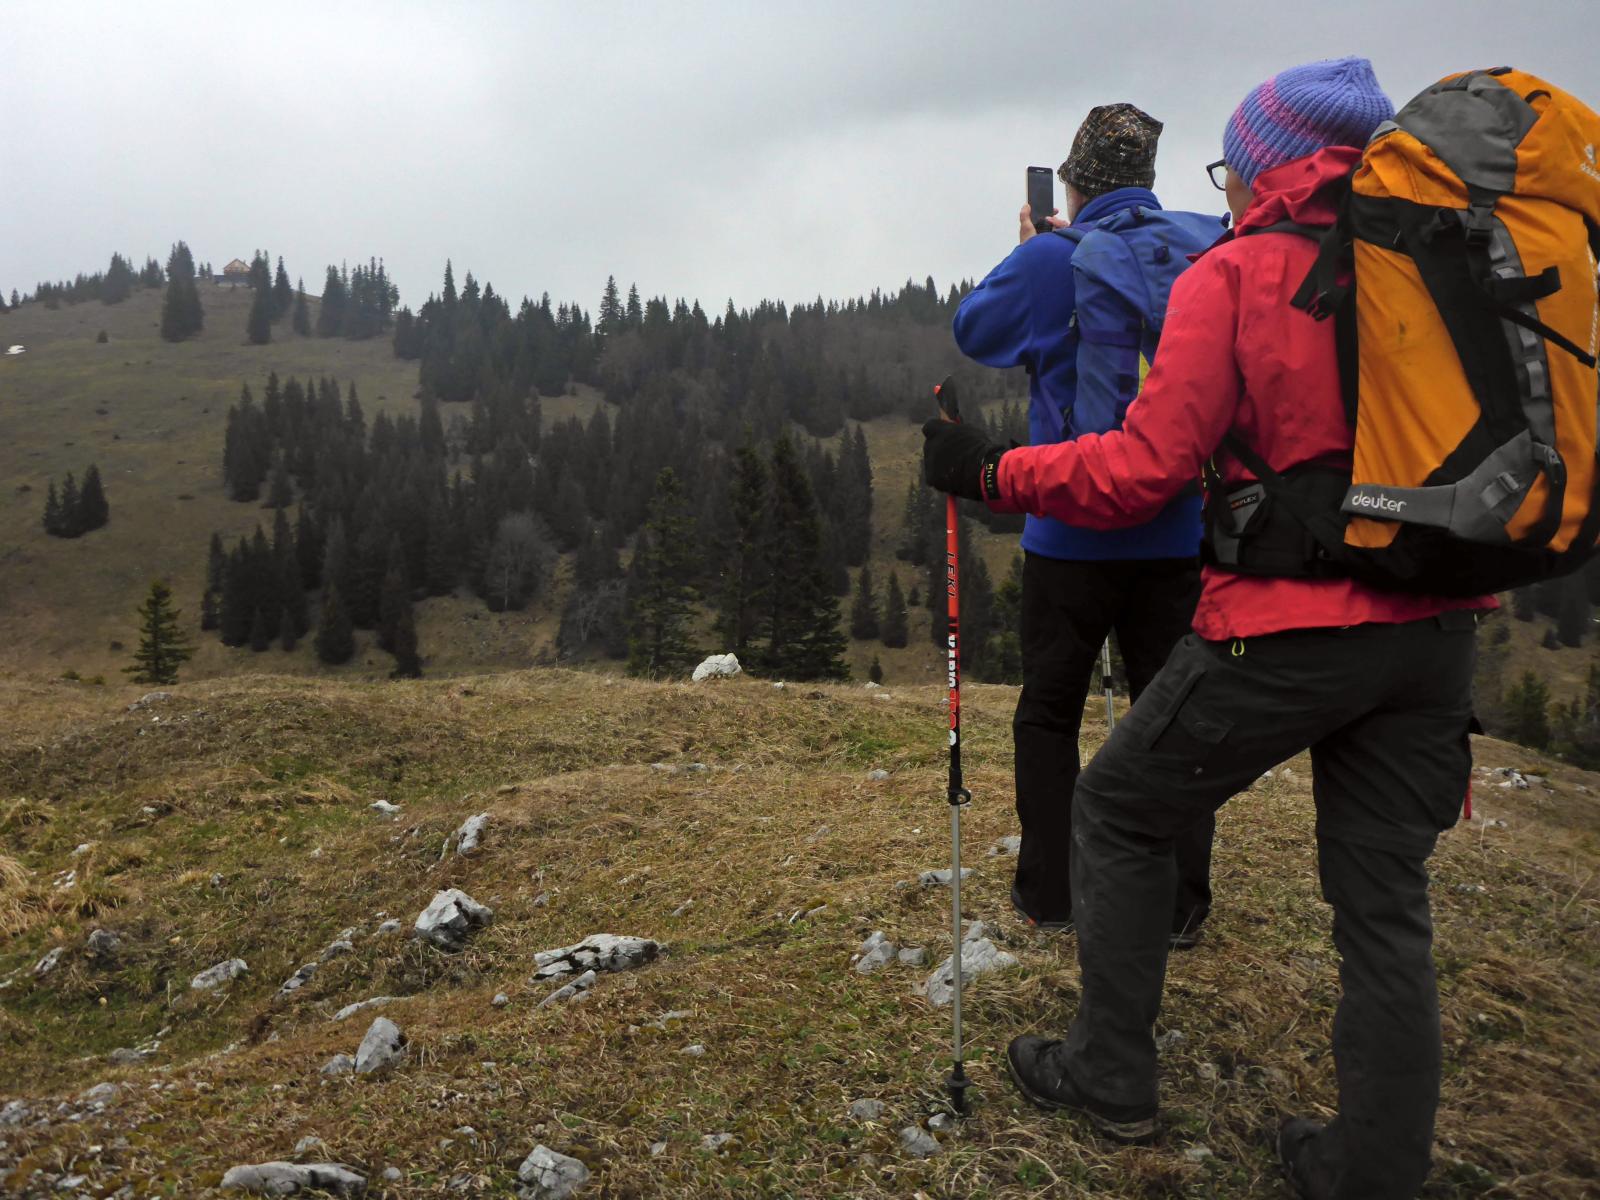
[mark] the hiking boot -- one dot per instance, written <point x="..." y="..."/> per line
<point x="1049" y="925"/>
<point x="1294" y="1142"/>
<point x="1033" y="1064"/>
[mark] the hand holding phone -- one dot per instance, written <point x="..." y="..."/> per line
<point x="1041" y="197"/>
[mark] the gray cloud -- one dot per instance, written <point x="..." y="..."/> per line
<point x="741" y="150"/>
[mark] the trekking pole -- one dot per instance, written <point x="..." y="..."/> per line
<point x="958" y="795"/>
<point x="1105" y="679"/>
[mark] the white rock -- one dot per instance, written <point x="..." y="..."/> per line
<point x="1198" y="1153"/>
<point x="694" y="1051"/>
<point x="1170" y="1039"/>
<point x="470" y="834"/>
<point x="878" y="775"/>
<point x="13" y="1114"/>
<point x="299" y="979"/>
<point x="500" y="1000"/>
<point x="941" y="877"/>
<point x="570" y="991"/>
<point x="149" y="698"/>
<point x="913" y="956"/>
<point x="866" y="1110"/>
<point x="388" y="927"/>
<point x="597" y="952"/>
<point x="657" y="1149"/>
<point x="224" y="972"/>
<point x="715" y="1141"/>
<point x="309" y="1143"/>
<point x="48" y="963"/>
<point x="350" y="1010"/>
<point x="451" y="916"/>
<point x="550" y="1176"/>
<point x="339" y="1064"/>
<point x="918" y="1142"/>
<point x="288" y="1179"/>
<point x="542" y="900"/>
<point x="383" y="1046"/>
<point x="391" y="1175"/>
<point x="875" y="952"/>
<point x="384" y="807"/>
<point x="102" y="1093"/>
<point x="718" y="666"/>
<point x="941" y="1121"/>
<point x="683" y="908"/>
<point x="81" y="849"/>
<point x="978" y="957"/>
<point x="779" y="685"/>
<point x="1006" y="846"/>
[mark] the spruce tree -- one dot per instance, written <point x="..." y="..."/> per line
<point x="238" y="600"/>
<point x="864" y="612"/>
<point x="1527" y="711"/>
<point x="895" y="617"/>
<point x="258" y="326"/>
<point x="804" y="640"/>
<point x="335" y="641"/>
<point x="53" y="524"/>
<point x="1573" y="619"/>
<point x="660" y="598"/>
<point x="282" y="293"/>
<point x="739" y="597"/>
<point x="288" y="635"/>
<point x="93" y="510"/>
<point x="181" y="314"/>
<point x="280" y="491"/>
<point x="71" y="508"/>
<point x="395" y="598"/>
<point x="216" y="560"/>
<point x="162" y="648"/>
<point x="875" y="671"/>
<point x="301" y="321"/>
<point x="260" y="630"/>
<point x="407" y="662"/>
<point x="307" y="549"/>
<point x="208" y="611"/>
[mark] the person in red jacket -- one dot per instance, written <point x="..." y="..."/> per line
<point x="1376" y="684"/>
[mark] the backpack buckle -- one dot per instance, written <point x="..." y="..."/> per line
<point x="1477" y="223"/>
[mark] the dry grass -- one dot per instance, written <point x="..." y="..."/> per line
<point x="238" y="824"/>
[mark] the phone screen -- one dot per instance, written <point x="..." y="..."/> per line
<point x="1041" y="195"/>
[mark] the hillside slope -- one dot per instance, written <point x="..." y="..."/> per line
<point x="233" y="820"/>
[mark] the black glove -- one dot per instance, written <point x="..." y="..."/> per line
<point x="960" y="460"/>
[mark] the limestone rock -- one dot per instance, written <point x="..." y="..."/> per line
<point x="337" y="949"/>
<point x="14" y="1113"/>
<point x="48" y="963"/>
<point x="597" y="952"/>
<point x="866" y="1110"/>
<point x="298" y="980"/>
<point x="715" y="1141"/>
<point x="288" y="1179"/>
<point x="1006" y="846"/>
<point x="878" y="776"/>
<point x="875" y="952"/>
<point x="350" y="1010"/>
<point x="384" y="807"/>
<point x="571" y="991"/>
<point x="470" y="835"/>
<point x="913" y="956"/>
<point x="388" y="927"/>
<point x="339" y="1064"/>
<point x="718" y="666"/>
<point x="978" y="957"/>
<point x="500" y="1000"/>
<point x="103" y="943"/>
<point x="309" y="1144"/>
<point x="149" y="698"/>
<point x="450" y="918"/>
<point x="383" y="1046"/>
<point x="918" y="1142"/>
<point x="941" y="877"/>
<point x="224" y="972"/>
<point x="547" y="1175"/>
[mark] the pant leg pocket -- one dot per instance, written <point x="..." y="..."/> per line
<point x="1182" y="735"/>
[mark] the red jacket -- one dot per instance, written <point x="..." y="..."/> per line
<point x="1234" y="355"/>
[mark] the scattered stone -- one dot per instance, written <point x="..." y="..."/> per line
<point x="1006" y="846"/>
<point x="1286" y="773"/>
<point x="657" y="1149"/>
<point x="48" y="963"/>
<point x="383" y="1046"/>
<point x="694" y="1051"/>
<point x="338" y="948"/>
<point x="1476" y="889"/>
<point x="941" y="877"/>
<point x="311" y="1142"/>
<point x="542" y="900"/>
<point x="866" y="1110"/>
<point x="570" y="991"/>
<point x="918" y="1142"/>
<point x="715" y="1141"/>
<point x="778" y="685"/>
<point x="216" y="879"/>
<point x="81" y="849"/>
<point x="339" y="1064"/>
<point x="507" y="789"/>
<point x="68" y="1183"/>
<point x="1208" y="1072"/>
<point x="288" y="1179"/>
<point x="817" y="834"/>
<point x="941" y="1121"/>
<point x="877" y="951"/>
<point x="124" y="1056"/>
<point x="1197" y="1154"/>
<point x="468" y="837"/>
<point x="384" y="807"/>
<point x="450" y="918"/>
<point x="500" y="1000"/>
<point x="388" y="927"/>
<point x="813" y="912"/>
<point x="676" y="1014"/>
<point x="224" y="972"/>
<point x="878" y="776"/>
<point x="718" y="666"/>
<point x="149" y="698"/>
<point x="696" y="768"/>
<point x="683" y="908"/>
<point x="391" y="1175"/>
<point x="13" y="1114"/>
<point x="101" y="1093"/>
<point x="350" y="1010"/>
<point x="597" y="952"/>
<point x="1170" y="1039"/>
<point x="979" y="956"/>
<point x="550" y="1176"/>
<point x="913" y="956"/>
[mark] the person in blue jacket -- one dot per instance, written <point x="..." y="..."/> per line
<point x="1044" y="311"/>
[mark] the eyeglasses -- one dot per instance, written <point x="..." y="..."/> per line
<point x="1218" y="181"/>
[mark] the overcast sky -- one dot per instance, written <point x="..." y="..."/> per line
<point x="741" y="150"/>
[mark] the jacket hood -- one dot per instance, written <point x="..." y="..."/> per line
<point x="1300" y="190"/>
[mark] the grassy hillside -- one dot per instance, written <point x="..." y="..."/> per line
<point x="234" y="820"/>
<point x="152" y="415"/>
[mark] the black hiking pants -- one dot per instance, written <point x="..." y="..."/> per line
<point x="1384" y="710"/>
<point x="1068" y="609"/>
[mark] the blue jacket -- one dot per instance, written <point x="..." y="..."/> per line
<point x="1022" y="314"/>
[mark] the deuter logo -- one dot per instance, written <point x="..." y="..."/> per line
<point x="1378" y="502"/>
<point x="1589" y="168"/>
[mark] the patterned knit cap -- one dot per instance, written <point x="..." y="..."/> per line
<point x="1115" y="148"/>
<point x="1336" y="102"/>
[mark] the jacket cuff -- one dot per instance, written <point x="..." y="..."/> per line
<point x="994" y="483"/>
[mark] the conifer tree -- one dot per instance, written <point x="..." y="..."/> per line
<point x="282" y="293"/>
<point x="395" y="599"/>
<point x="53" y="523"/>
<point x="181" y="314"/>
<point x="288" y="635"/>
<point x="71" y="508"/>
<point x="895" y="617"/>
<point x="162" y="647"/>
<point x="258" y="327"/>
<point x="301" y="321"/>
<point x="216" y="560"/>
<point x="93" y="511"/>
<point x="635" y="314"/>
<point x="307" y="550"/>
<point x="1527" y="711"/>
<point x="330" y="315"/>
<point x="407" y="663"/>
<point x="864" y="612"/>
<point x="744" y="573"/>
<point x="804" y="640"/>
<point x="208" y="611"/>
<point x="238" y="600"/>
<point x="875" y="671"/>
<point x="660" y="597"/>
<point x="441" y="559"/>
<point x="335" y="641"/>
<point x="260" y="630"/>
<point x="280" y="491"/>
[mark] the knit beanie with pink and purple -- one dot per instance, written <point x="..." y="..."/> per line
<point x="1336" y="102"/>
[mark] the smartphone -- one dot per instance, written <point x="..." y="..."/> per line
<point x="1041" y="196"/>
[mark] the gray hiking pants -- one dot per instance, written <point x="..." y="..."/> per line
<point x="1385" y="711"/>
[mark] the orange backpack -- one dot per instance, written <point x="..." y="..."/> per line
<point x="1462" y="273"/>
